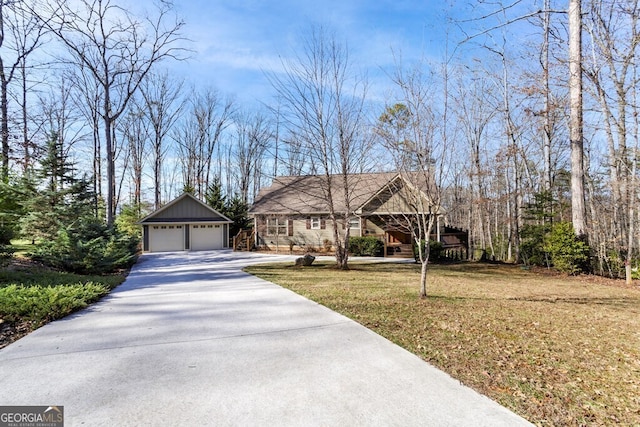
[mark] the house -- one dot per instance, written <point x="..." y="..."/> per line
<point x="293" y="213"/>
<point x="185" y="224"/>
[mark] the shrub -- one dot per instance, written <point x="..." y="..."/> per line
<point x="436" y="250"/>
<point x="6" y="253"/>
<point x="6" y="234"/>
<point x="532" y="244"/>
<point x="88" y="248"/>
<point x="568" y="253"/>
<point x="366" y="246"/>
<point x="40" y="304"/>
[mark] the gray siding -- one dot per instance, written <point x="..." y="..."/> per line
<point x="186" y="208"/>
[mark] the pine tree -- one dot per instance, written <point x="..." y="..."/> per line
<point x="214" y="197"/>
<point x="62" y="199"/>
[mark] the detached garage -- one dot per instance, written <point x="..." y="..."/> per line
<point x="185" y="224"/>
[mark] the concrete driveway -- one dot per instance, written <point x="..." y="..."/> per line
<point x="191" y="340"/>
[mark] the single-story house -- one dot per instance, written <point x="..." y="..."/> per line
<point x="185" y="224"/>
<point x="293" y="213"/>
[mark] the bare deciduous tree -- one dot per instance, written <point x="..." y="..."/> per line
<point x="162" y="107"/>
<point x="20" y="35"/>
<point x="323" y="107"/>
<point x="476" y="109"/>
<point x="253" y="134"/>
<point x="416" y="134"/>
<point x="135" y="131"/>
<point x="118" y="50"/>
<point x="199" y="135"/>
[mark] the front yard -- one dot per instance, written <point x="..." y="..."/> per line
<point x="557" y="350"/>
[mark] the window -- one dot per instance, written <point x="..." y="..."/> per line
<point x="354" y="223"/>
<point x="315" y="223"/>
<point x="217" y="226"/>
<point x="276" y="227"/>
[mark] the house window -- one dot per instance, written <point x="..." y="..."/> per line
<point x="276" y="227"/>
<point x="354" y="223"/>
<point x="315" y="223"/>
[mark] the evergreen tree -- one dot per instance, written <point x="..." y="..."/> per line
<point x="12" y="197"/>
<point x="62" y="199"/>
<point x="237" y="210"/>
<point x="214" y="197"/>
<point x="62" y="216"/>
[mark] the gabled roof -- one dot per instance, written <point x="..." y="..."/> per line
<point x="185" y="208"/>
<point x="307" y="194"/>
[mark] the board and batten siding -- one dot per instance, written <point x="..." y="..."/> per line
<point x="187" y="208"/>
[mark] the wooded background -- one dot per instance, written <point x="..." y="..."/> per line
<point x="85" y="94"/>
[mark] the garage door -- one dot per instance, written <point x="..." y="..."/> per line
<point x="206" y="237"/>
<point x="166" y="238"/>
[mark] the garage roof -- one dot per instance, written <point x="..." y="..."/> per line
<point x="185" y="208"/>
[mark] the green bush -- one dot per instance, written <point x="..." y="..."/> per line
<point x="41" y="304"/>
<point x="366" y="246"/>
<point x="88" y="247"/>
<point x="6" y="234"/>
<point x="436" y="250"/>
<point x="6" y="253"/>
<point x="568" y="254"/>
<point x="532" y="244"/>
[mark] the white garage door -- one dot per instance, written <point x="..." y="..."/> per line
<point x="166" y="238"/>
<point x="206" y="237"/>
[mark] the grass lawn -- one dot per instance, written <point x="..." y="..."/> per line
<point x="31" y="297"/>
<point x="557" y="350"/>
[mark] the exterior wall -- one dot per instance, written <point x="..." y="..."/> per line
<point x="296" y="235"/>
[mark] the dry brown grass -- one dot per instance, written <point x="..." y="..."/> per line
<point x="556" y="350"/>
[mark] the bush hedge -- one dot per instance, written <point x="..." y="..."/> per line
<point x="568" y="253"/>
<point x="88" y="248"/>
<point x="366" y="246"/>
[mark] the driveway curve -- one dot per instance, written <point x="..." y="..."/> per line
<point x="190" y="340"/>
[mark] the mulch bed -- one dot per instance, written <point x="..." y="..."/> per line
<point x="13" y="331"/>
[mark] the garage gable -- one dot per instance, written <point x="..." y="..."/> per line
<point x="185" y="208"/>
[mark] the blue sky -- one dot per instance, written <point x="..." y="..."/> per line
<point x="235" y="42"/>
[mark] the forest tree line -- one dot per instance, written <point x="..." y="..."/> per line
<point x="85" y="87"/>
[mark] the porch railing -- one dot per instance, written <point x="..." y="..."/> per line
<point x="243" y="241"/>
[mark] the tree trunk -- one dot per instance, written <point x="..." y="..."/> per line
<point x="111" y="170"/>
<point x="4" y="125"/>
<point x="578" y="208"/>
<point x="547" y="99"/>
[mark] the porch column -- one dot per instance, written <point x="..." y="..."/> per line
<point x="438" y="227"/>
